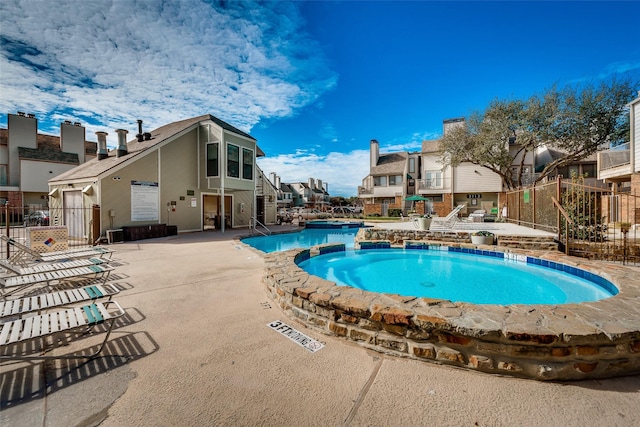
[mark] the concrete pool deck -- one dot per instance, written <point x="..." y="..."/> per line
<point x="195" y="349"/>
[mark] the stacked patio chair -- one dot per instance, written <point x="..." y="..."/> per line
<point x="23" y="255"/>
<point x="40" y="299"/>
<point x="14" y="284"/>
<point x="69" y="320"/>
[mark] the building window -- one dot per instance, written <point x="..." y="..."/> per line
<point x="395" y="180"/>
<point x="213" y="166"/>
<point x="433" y="179"/>
<point x="247" y="164"/>
<point x="233" y="161"/>
<point x="412" y="165"/>
<point x="589" y="170"/>
<point x="3" y="175"/>
<point x="380" y="181"/>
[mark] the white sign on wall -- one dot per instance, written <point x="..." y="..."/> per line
<point x="144" y="201"/>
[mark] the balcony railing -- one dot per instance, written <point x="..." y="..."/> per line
<point x="618" y="156"/>
<point x="430" y="184"/>
<point x="365" y="190"/>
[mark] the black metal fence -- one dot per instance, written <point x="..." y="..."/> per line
<point x="21" y="224"/>
<point x="590" y="222"/>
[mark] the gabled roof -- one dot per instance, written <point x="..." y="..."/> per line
<point x="95" y="167"/>
<point x="285" y="188"/>
<point x="393" y="163"/>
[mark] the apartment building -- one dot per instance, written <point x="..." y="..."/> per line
<point x="28" y="159"/>
<point x="311" y="194"/>
<point x="619" y="167"/>
<point x="393" y="177"/>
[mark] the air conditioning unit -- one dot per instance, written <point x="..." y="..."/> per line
<point x="115" y="236"/>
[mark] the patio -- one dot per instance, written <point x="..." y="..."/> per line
<point x="196" y="350"/>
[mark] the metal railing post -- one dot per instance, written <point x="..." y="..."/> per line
<point x="7" y="228"/>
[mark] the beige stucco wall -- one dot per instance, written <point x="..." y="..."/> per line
<point x="469" y="178"/>
<point x="34" y="174"/>
<point x="115" y="189"/>
<point x="178" y="166"/>
<point x="179" y="176"/>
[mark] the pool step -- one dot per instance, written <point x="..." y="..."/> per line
<point x="545" y="243"/>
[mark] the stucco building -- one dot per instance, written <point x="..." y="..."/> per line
<point x="28" y="159"/>
<point x="194" y="174"/>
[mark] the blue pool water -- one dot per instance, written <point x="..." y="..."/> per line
<point x="453" y="276"/>
<point x="302" y="239"/>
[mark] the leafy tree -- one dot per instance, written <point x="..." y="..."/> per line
<point x="576" y="122"/>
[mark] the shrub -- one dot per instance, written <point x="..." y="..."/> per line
<point x="394" y="212"/>
<point x="483" y="233"/>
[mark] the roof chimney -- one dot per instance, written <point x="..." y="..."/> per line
<point x="140" y="135"/>
<point x="102" y="145"/>
<point x="147" y="136"/>
<point x="122" y="142"/>
<point x="374" y="152"/>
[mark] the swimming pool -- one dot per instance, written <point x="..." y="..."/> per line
<point x="479" y="278"/>
<point x="306" y="238"/>
<point x="333" y="224"/>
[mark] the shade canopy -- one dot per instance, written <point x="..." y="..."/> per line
<point x="416" y="198"/>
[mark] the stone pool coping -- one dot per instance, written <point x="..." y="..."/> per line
<point x="544" y="342"/>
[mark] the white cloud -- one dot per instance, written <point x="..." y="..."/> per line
<point x="342" y="171"/>
<point x="107" y="64"/>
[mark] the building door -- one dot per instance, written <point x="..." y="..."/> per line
<point x="385" y="208"/>
<point x="212" y="212"/>
<point x="260" y="209"/>
<point x="73" y="214"/>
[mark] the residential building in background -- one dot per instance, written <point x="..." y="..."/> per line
<point x="28" y="159"/>
<point x="311" y="194"/>
<point x="619" y="167"/>
<point x="394" y="177"/>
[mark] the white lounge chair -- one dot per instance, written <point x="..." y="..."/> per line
<point x="38" y="303"/>
<point x="14" y="284"/>
<point x="24" y="255"/>
<point x="42" y="267"/>
<point x="69" y="320"/>
<point x="450" y="220"/>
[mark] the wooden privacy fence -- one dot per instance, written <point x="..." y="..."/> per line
<point x="590" y="222"/>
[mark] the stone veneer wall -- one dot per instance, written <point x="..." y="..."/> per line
<point x="397" y="237"/>
<point x="560" y="342"/>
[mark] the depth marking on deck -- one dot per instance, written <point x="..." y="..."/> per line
<point x="295" y="336"/>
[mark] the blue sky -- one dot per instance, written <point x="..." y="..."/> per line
<point x="314" y="82"/>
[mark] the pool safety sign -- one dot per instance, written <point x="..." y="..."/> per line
<point x="296" y="336"/>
